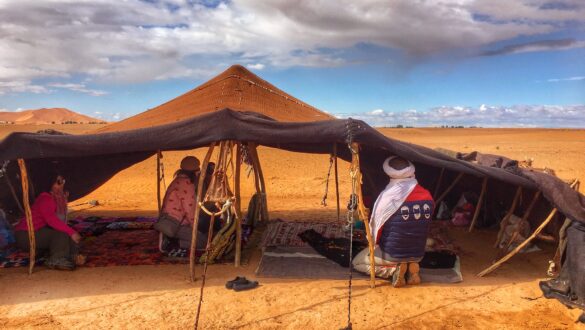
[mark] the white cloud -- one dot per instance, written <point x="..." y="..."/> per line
<point x="257" y="66"/>
<point x="567" y="79"/>
<point x="377" y="112"/>
<point x="78" y="88"/>
<point x="138" y="41"/>
<point x="485" y="116"/>
<point x="20" y="86"/>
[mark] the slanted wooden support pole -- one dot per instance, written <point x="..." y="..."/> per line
<point x="28" y="215"/>
<point x="523" y="244"/>
<point x="238" y="204"/>
<point x="479" y="203"/>
<point x="262" y="183"/>
<point x="439" y="181"/>
<point x="506" y="218"/>
<point x="197" y="210"/>
<point x="336" y="183"/>
<point x="158" y="199"/>
<point x="448" y="190"/>
<point x="363" y="211"/>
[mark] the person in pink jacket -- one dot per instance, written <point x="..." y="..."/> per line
<point x="52" y="234"/>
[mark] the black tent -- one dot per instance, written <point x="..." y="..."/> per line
<point x="91" y="160"/>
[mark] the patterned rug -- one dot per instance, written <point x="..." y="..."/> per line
<point x="286" y="234"/>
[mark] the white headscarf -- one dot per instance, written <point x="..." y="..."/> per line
<point x="402" y="183"/>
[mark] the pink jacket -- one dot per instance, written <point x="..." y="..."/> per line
<point x="44" y="213"/>
<point x="179" y="200"/>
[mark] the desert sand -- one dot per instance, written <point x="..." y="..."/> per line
<point x="162" y="297"/>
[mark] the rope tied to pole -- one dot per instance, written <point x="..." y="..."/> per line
<point x="331" y="160"/>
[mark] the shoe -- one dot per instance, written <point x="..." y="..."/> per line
<point x="237" y="280"/>
<point x="178" y="253"/>
<point x="398" y="275"/>
<point x="412" y="275"/>
<point x="163" y="243"/>
<point x="245" y="286"/>
<point x="60" y="264"/>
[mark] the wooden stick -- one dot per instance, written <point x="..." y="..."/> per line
<point x="523" y="244"/>
<point x="238" y="205"/>
<point x="337" y="183"/>
<point x="439" y="181"/>
<point x="158" y="157"/>
<point x="28" y="216"/>
<point x="444" y="194"/>
<point x="355" y="166"/>
<point x="197" y="209"/>
<point x="479" y="203"/>
<point x="511" y="210"/>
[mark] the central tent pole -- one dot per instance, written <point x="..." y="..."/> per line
<point x="336" y="183"/>
<point x="158" y="158"/>
<point x="363" y="211"/>
<point x="28" y="215"/>
<point x="506" y="218"/>
<point x="197" y="210"/>
<point x="238" y="204"/>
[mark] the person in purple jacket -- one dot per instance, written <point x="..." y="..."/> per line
<point x="52" y="234"/>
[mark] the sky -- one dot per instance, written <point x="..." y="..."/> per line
<point x="489" y="63"/>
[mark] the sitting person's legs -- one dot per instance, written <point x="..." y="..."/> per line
<point x="59" y="245"/>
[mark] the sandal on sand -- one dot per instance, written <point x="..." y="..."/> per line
<point x="398" y="276"/>
<point x="245" y="286"/>
<point x="412" y="275"/>
<point x="237" y="280"/>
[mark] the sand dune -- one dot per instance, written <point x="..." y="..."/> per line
<point x="46" y="116"/>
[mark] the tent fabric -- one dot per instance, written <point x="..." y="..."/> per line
<point x="90" y="160"/>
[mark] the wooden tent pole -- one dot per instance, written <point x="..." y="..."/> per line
<point x="438" y="186"/>
<point x="479" y="203"/>
<point x="365" y="214"/>
<point x="448" y="190"/>
<point x="158" y="158"/>
<point x="511" y="210"/>
<point x="238" y="204"/>
<point x="523" y="244"/>
<point x="28" y="215"/>
<point x="258" y="169"/>
<point x="197" y="210"/>
<point x="336" y="183"/>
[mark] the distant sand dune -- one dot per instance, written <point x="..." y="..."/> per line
<point x="46" y="116"/>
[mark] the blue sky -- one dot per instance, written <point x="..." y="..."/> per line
<point x="515" y="63"/>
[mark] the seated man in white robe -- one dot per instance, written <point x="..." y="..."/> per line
<point x="399" y="224"/>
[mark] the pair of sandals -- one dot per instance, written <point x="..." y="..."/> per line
<point x="241" y="283"/>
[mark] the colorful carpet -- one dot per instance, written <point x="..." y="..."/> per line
<point x="286" y="234"/>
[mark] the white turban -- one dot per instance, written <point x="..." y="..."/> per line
<point x="407" y="172"/>
<point x="402" y="183"/>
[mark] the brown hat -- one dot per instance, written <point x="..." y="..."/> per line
<point x="190" y="163"/>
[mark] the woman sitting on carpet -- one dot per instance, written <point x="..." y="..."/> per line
<point x="178" y="209"/>
<point x="50" y="227"/>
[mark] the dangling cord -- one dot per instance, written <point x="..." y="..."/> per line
<point x="324" y="200"/>
<point x="207" y="251"/>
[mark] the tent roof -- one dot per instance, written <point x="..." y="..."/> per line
<point x="94" y="153"/>
<point x="236" y="88"/>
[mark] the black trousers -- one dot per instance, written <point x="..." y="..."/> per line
<point x="58" y="244"/>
